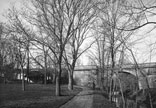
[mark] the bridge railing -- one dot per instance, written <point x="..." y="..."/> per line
<point x="85" y="67"/>
<point x="126" y="66"/>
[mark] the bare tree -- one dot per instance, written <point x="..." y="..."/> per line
<point x="59" y="21"/>
<point x="56" y="21"/>
<point x="21" y="34"/>
<point x="73" y="52"/>
<point x="142" y="10"/>
<point x="7" y="56"/>
<point x="111" y="16"/>
<point x="21" y="58"/>
<point x="42" y="58"/>
<point x="85" y="17"/>
<point x="115" y="15"/>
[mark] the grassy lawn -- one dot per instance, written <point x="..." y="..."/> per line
<point x="100" y="100"/>
<point x="35" y="96"/>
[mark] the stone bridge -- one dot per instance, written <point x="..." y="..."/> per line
<point x="108" y="67"/>
<point x="140" y="70"/>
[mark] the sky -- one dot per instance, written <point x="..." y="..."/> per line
<point x="5" y="4"/>
<point x="141" y="49"/>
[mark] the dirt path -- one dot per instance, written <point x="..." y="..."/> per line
<point x="88" y="99"/>
<point x="83" y="100"/>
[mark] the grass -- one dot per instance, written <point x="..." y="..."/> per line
<point x="100" y="100"/>
<point x="35" y="96"/>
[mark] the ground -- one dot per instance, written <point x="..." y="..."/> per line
<point x="35" y="96"/>
<point x="43" y="96"/>
<point x="89" y="99"/>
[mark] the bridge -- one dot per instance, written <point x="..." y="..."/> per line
<point x="128" y="68"/>
<point x="117" y="67"/>
<point x="139" y="70"/>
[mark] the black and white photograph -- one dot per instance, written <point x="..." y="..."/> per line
<point x="77" y="53"/>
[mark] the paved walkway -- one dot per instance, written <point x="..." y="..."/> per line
<point x="83" y="100"/>
<point x="88" y="99"/>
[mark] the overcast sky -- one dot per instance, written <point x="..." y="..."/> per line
<point x="5" y="4"/>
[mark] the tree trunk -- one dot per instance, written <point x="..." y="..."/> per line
<point x="58" y="78"/>
<point x="103" y="63"/>
<point x="70" y="80"/>
<point x="111" y="90"/>
<point x="54" y="78"/>
<point x="70" y="74"/>
<point x="23" y="81"/>
<point x="45" y="66"/>
<point x="45" y="73"/>
<point x="58" y="85"/>
<point x="4" y="78"/>
<point x="45" y="77"/>
<point x="28" y="67"/>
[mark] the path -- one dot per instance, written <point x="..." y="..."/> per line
<point x="88" y="99"/>
<point x="83" y="100"/>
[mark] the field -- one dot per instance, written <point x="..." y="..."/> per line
<point x="35" y="96"/>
